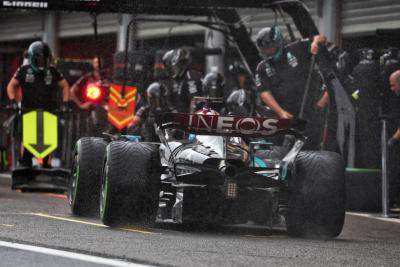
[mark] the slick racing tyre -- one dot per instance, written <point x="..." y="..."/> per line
<point x="317" y="195"/>
<point x="84" y="186"/>
<point x="130" y="184"/>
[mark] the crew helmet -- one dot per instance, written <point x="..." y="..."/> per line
<point x="213" y="85"/>
<point x="270" y="41"/>
<point x="39" y="56"/>
<point x="176" y="61"/>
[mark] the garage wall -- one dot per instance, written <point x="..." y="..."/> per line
<point x="258" y="20"/>
<point x="20" y="26"/>
<point x="362" y="17"/>
<point x="74" y="24"/>
<point x="80" y="24"/>
<point x="359" y="18"/>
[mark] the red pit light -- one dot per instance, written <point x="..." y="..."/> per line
<point x="93" y="93"/>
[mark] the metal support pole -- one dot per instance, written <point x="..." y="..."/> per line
<point x="14" y="147"/>
<point x="50" y="32"/>
<point x="121" y="37"/>
<point x="130" y="36"/>
<point x="214" y="39"/>
<point x="96" y="40"/>
<point x="328" y="24"/>
<point x="385" y="184"/>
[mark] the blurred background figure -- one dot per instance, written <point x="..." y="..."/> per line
<point x="366" y="76"/>
<point x="186" y="82"/>
<point x="394" y="143"/>
<point x="238" y="77"/>
<point x="213" y="92"/>
<point x="79" y="87"/>
<point x="89" y="93"/>
<point x="157" y="102"/>
<point x="389" y="62"/>
<point x="241" y="96"/>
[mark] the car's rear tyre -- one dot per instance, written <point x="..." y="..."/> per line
<point x="317" y="195"/>
<point x="130" y="184"/>
<point x="84" y="185"/>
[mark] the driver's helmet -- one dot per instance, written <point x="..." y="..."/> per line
<point x="213" y="85"/>
<point x="207" y="111"/>
<point x="39" y="56"/>
<point x="176" y="61"/>
<point x="270" y="42"/>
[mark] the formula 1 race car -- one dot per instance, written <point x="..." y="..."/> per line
<point x="213" y="169"/>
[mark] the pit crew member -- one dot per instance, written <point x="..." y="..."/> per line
<point x="282" y="75"/>
<point x="39" y="82"/>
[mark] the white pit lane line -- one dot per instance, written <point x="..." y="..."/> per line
<point x="374" y="216"/>
<point x="5" y="176"/>
<point x="71" y="255"/>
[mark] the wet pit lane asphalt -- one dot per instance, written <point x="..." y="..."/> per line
<point x="53" y="237"/>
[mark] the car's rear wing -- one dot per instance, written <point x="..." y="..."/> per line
<point x="203" y="124"/>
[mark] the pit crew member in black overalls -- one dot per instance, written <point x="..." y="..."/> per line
<point x="158" y="101"/>
<point x="39" y="82"/>
<point x="282" y="76"/>
<point x="214" y="90"/>
<point x="367" y="81"/>
<point x="186" y="82"/>
<point x="238" y="78"/>
<point x="394" y="144"/>
<point x="93" y="118"/>
<point x="78" y="88"/>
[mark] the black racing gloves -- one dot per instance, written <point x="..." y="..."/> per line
<point x="14" y="105"/>
<point x="65" y="107"/>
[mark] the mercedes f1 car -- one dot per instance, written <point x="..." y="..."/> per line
<point x="213" y="169"/>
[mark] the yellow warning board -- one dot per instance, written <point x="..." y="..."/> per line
<point x="40" y="133"/>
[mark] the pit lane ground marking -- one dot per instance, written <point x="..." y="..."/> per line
<point x="5" y="176"/>
<point x="71" y="255"/>
<point x="6" y="225"/>
<point x="56" y="195"/>
<point x="374" y="216"/>
<point x="59" y="218"/>
<point x="265" y="236"/>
